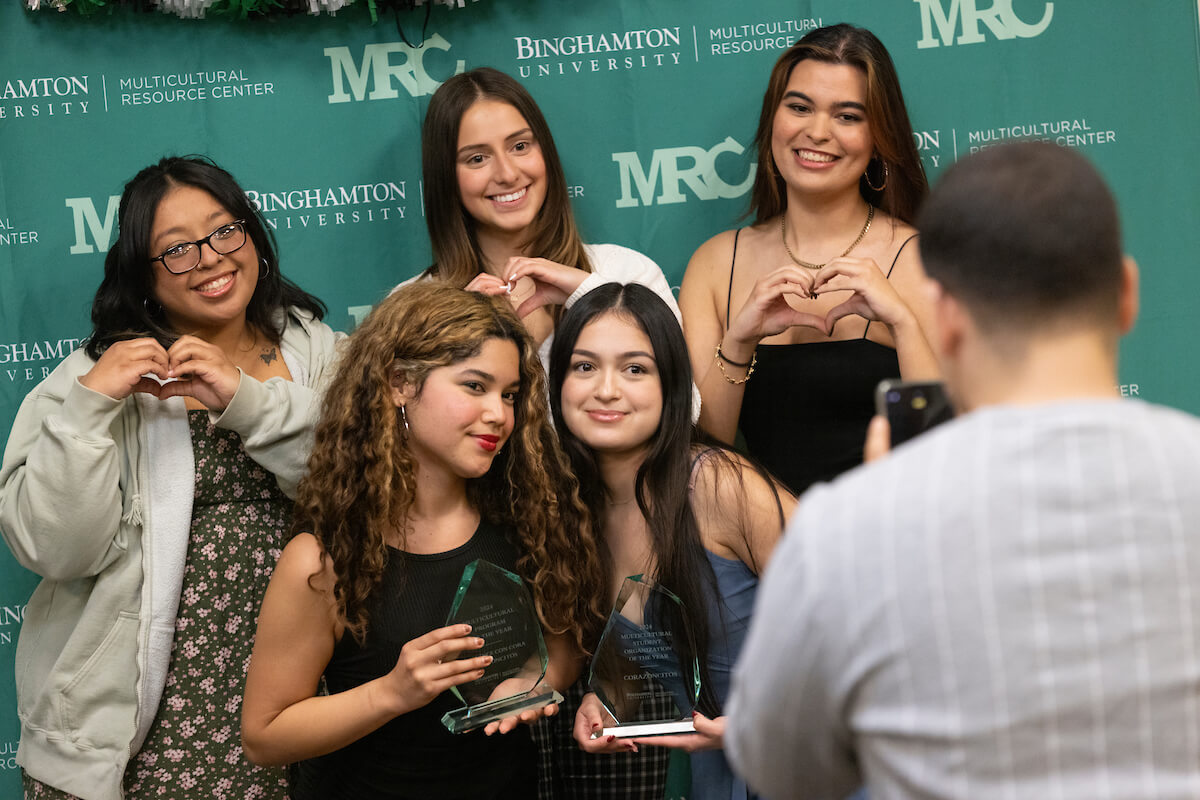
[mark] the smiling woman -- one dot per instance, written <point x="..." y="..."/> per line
<point x="148" y="480"/>
<point x="498" y="211"/>
<point x="206" y="282"/>
<point x="699" y="520"/>
<point x="778" y="315"/>
<point x="434" y="449"/>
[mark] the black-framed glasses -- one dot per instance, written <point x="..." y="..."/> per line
<point x="185" y="257"/>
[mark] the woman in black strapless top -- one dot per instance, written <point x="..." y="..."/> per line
<point x="779" y="315"/>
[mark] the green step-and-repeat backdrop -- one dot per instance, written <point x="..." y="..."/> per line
<point x="652" y="104"/>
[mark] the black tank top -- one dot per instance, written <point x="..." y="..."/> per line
<point x="805" y="412"/>
<point x="414" y="757"/>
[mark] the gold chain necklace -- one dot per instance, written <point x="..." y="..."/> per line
<point x="783" y="231"/>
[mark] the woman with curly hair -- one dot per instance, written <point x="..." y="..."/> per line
<point x="434" y="449"/>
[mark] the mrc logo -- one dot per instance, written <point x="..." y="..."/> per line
<point x="999" y="18"/>
<point x="92" y="234"/>
<point x="378" y="69"/>
<point x="693" y="167"/>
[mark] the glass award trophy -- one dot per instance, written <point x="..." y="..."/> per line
<point x="645" y="671"/>
<point x="497" y="606"/>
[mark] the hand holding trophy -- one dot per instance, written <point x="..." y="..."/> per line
<point x="499" y="610"/>
<point x="645" y="670"/>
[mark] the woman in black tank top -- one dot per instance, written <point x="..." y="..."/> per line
<point x="434" y="449"/>
<point x="778" y="315"/>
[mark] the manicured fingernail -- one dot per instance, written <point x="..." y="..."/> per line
<point x="466" y="628"/>
<point x="487" y="659"/>
<point x="612" y="738"/>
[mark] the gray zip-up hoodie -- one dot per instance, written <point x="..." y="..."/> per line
<point x="96" y="497"/>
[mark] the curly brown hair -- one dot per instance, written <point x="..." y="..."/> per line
<point x="362" y="479"/>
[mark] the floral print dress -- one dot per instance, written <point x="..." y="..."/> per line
<point x="194" y="749"/>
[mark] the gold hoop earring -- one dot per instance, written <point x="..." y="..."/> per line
<point x="867" y="177"/>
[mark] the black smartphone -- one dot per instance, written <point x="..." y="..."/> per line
<point x="912" y="407"/>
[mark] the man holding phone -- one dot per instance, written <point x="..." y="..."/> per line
<point x="1006" y="606"/>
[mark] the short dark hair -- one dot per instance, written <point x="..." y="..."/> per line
<point x="120" y="309"/>
<point x="1027" y="236"/>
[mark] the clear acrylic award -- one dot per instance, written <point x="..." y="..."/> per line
<point x="497" y="606"/>
<point x="645" y="671"/>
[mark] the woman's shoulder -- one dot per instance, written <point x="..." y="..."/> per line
<point x="898" y="234"/>
<point x="423" y="275"/>
<point x="718" y="475"/>
<point x="738" y="506"/>
<point x="896" y="251"/>
<point x="716" y="249"/>
<point x="717" y="254"/>
<point x="724" y="482"/>
<point x="310" y="339"/>
<point x="609" y="257"/>
<point x="302" y="559"/>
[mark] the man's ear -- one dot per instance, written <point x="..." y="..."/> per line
<point x="1127" y="308"/>
<point x="950" y="322"/>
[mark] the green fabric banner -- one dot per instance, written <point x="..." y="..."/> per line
<point x="653" y="107"/>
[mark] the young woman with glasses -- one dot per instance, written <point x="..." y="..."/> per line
<point x="147" y="481"/>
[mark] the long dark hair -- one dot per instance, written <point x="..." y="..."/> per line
<point x="887" y="116"/>
<point x="663" y="479"/>
<point x="362" y="477"/>
<point x="124" y="305"/>
<point x="456" y="254"/>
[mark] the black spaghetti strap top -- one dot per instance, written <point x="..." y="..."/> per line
<point x="805" y="412"/>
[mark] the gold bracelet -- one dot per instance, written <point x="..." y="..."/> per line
<point x="721" y="359"/>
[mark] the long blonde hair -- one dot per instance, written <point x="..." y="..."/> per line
<point x="362" y="479"/>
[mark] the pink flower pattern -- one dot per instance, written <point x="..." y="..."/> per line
<point x="239" y="522"/>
